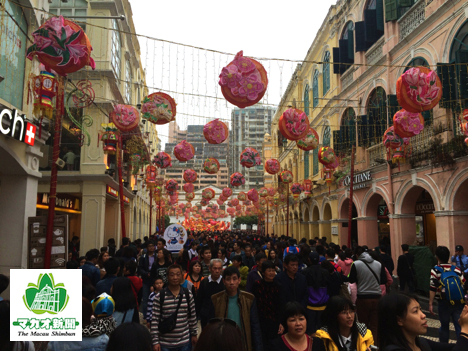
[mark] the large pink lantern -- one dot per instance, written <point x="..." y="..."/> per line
<point x="215" y="132"/>
<point x="125" y="117"/>
<point x="188" y="187"/>
<point x="184" y="151"/>
<point x="253" y="195"/>
<point x="227" y="192"/>
<point x="162" y="160"/>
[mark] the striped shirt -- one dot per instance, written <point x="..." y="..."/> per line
<point x="185" y="326"/>
<point x="435" y="284"/>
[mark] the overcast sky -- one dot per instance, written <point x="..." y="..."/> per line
<point x="266" y="29"/>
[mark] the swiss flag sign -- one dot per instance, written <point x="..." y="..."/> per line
<point x="30" y="135"/>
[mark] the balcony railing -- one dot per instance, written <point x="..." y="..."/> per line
<point x="412" y="19"/>
<point x="377" y="153"/>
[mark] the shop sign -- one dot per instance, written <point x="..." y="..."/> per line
<point x="26" y="131"/>
<point x="126" y="199"/>
<point x="424" y="208"/>
<point x="112" y="191"/>
<point x="334" y="230"/>
<point x="61" y="201"/>
<point x="360" y="180"/>
<point x="382" y="212"/>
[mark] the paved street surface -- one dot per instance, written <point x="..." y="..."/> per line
<point x="433" y="322"/>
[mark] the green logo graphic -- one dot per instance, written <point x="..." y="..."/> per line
<point x="46" y="296"/>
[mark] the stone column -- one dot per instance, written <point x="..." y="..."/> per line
<point x="310" y="225"/>
<point x="451" y="228"/>
<point x="368" y="232"/>
<point x="93" y="216"/>
<point x="403" y="227"/>
<point x="342" y="231"/>
<point x="325" y="230"/>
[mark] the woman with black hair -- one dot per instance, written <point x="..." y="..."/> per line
<point x="130" y="337"/>
<point x="294" y="322"/>
<point x="125" y="301"/>
<point x="222" y="256"/>
<point x="341" y="330"/>
<point x="160" y="265"/>
<point x="194" y="275"/>
<point x="402" y="323"/>
<point x="273" y="257"/>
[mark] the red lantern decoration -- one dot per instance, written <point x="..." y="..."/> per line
<point x="328" y="175"/>
<point x="125" y="117"/>
<point x="109" y="138"/>
<point x="211" y="165"/>
<point x="162" y="160"/>
<point x="208" y="194"/>
<point x="190" y="176"/>
<point x="293" y="124"/>
<point x="151" y="173"/>
<point x="391" y="140"/>
<point x="286" y="176"/>
<point x="184" y="151"/>
<point x="159" y="108"/>
<point x="227" y="192"/>
<point x="172" y="186"/>
<point x="189" y="196"/>
<point x="243" y="81"/>
<point x="237" y="179"/>
<point x="309" y="142"/>
<point x="250" y="157"/>
<point x="235" y="202"/>
<point x="407" y="124"/>
<point x="45" y="88"/>
<point x="241" y="196"/>
<point x="296" y="190"/>
<point x="419" y="89"/>
<point x="61" y="45"/>
<point x="263" y="192"/>
<point x="272" y="166"/>
<point x="215" y="132"/>
<point x="307" y="186"/>
<point x="271" y="191"/>
<point x="326" y="155"/>
<point x="252" y="194"/>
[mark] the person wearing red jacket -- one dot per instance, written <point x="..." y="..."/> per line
<point x="137" y="283"/>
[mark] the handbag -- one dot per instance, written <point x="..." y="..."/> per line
<point x="168" y="324"/>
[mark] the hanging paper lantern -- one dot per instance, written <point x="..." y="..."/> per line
<point x="162" y="160"/>
<point x="189" y="196"/>
<point x="326" y="155"/>
<point x="272" y="166"/>
<point x="293" y="124"/>
<point x="286" y="176"/>
<point x="407" y="124"/>
<point x="109" y="138"/>
<point x="61" y="45"/>
<point x="158" y="108"/>
<point x="296" y="190"/>
<point x="271" y="191"/>
<point x="190" y="176"/>
<point x="309" y="142"/>
<point x="125" y="117"/>
<point x="235" y="202"/>
<point x="252" y="194"/>
<point x="391" y="140"/>
<point x="172" y="185"/>
<point x="243" y="81"/>
<point x="215" y="132"/>
<point x="419" y="89"/>
<point x="237" y="179"/>
<point x="247" y="202"/>
<point x="211" y="165"/>
<point x="241" y="196"/>
<point x="263" y="192"/>
<point x="250" y="157"/>
<point x="151" y="173"/>
<point x="238" y="207"/>
<point x="227" y="192"/>
<point x="399" y="155"/>
<point x="464" y="128"/>
<point x="188" y="187"/>
<point x="157" y="191"/>
<point x="220" y="202"/>
<point x="307" y="186"/>
<point x="184" y="151"/>
<point x="45" y="88"/>
<point x="208" y="193"/>
<point x="222" y="197"/>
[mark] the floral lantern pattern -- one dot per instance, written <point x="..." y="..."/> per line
<point x="172" y="186"/>
<point x="293" y="124"/>
<point x="263" y="192"/>
<point x="159" y="108"/>
<point x="286" y="176"/>
<point x="211" y="165"/>
<point x="407" y="124"/>
<point x="307" y="186"/>
<point x="110" y="139"/>
<point x="151" y="173"/>
<point x="296" y="189"/>
<point x="45" y="88"/>
<point x="184" y="151"/>
<point x="391" y="140"/>
<point x="215" y="132"/>
<point x="419" y="89"/>
<point x="61" y="45"/>
<point x="309" y="142"/>
<point x="190" y="176"/>
<point x="208" y="194"/>
<point x="235" y="202"/>
<point x="243" y="81"/>
<point x="241" y="196"/>
<point x="162" y="160"/>
<point x="188" y="187"/>
<point x="250" y="157"/>
<point x="237" y="179"/>
<point x="125" y="117"/>
<point x="227" y="192"/>
<point x="271" y="191"/>
<point x="220" y="202"/>
<point x="326" y="155"/>
<point x="252" y="194"/>
<point x="189" y="196"/>
<point x="272" y="166"/>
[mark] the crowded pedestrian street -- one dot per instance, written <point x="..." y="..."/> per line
<point x="248" y="176"/>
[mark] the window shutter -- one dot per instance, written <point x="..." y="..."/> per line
<point x="363" y="131"/>
<point x="351" y="46"/>
<point x="360" y="30"/>
<point x="405" y="3"/>
<point x="336" y="60"/>
<point x="337" y="142"/>
<point x="446" y="71"/>
<point x="391" y="10"/>
<point x="370" y="19"/>
<point x="343" y="46"/>
<point x="461" y="58"/>
<point x="380" y="17"/>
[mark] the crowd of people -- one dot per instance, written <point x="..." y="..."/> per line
<point x="245" y="292"/>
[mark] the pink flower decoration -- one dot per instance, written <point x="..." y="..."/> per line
<point x="229" y="76"/>
<point x="184" y="151"/>
<point x="420" y="87"/>
<point x="295" y="122"/>
<point x="251" y="86"/>
<point x="244" y="64"/>
<point x="188" y="187"/>
<point x="215" y="130"/>
<point x="227" y="192"/>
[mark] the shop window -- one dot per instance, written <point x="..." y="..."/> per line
<point x="70" y="8"/>
<point x="315" y="89"/>
<point x="372" y="28"/>
<point x="306" y="100"/>
<point x="116" y="49"/>
<point x="343" y="55"/>
<point x="12" y="57"/>
<point x="395" y="9"/>
<point x="373" y="125"/>
<point x="345" y="137"/>
<point x="326" y="72"/>
<point x="306" y="164"/>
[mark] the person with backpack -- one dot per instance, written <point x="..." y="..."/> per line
<point x="447" y="287"/>
<point x="291" y="249"/>
<point x="174" y="320"/>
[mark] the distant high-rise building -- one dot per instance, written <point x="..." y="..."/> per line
<point x="248" y="129"/>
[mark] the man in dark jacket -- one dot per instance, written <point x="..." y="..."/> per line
<point x="209" y="286"/>
<point x="255" y="275"/>
<point x="112" y="267"/>
<point x="293" y="283"/>
<point x="144" y="269"/>
<point x="387" y="260"/>
<point x="405" y="270"/>
<point x="89" y="269"/>
<point x="240" y="307"/>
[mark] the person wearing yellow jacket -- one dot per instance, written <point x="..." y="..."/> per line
<point x="341" y="330"/>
